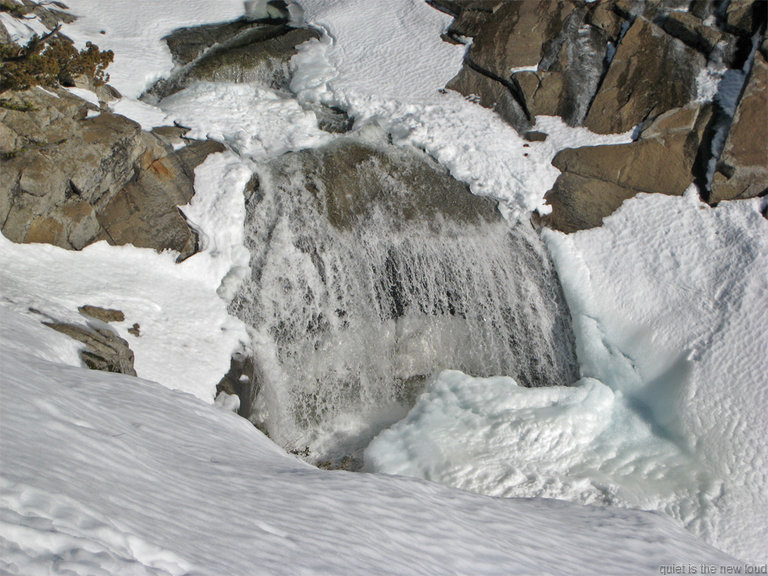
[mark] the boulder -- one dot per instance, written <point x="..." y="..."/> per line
<point x="651" y="72"/>
<point x="595" y="180"/>
<point x="518" y="34"/>
<point x="745" y="17"/>
<point x="560" y="50"/>
<point x="104" y="349"/>
<point x="691" y="30"/>
<point x="742" y="170"/>
<point x="103" y="314"/>
<point x="234" y="52"/>
<point x="73" y="175"/>
<point x="569" y="73"/>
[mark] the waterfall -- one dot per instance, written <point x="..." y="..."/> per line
<point x="372" y="269"/>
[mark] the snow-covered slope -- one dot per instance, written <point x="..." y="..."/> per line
<point x="108" y="474"/>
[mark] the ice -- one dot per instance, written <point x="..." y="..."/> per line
<point x="670" y="306"/>
<point x="109" y="474"/>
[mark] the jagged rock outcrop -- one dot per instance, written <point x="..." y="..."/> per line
<point x="239" y="51"/>
<point x="742" y="171"/>
<point x="595" y="180"/>
<point x="74" y="174"/>
<point x="652" y="72"/>
<point x="104" y="349"/>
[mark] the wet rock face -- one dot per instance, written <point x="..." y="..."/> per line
<point x="742" y="171"/>
<point x="239" y="51"/>
<point x="73" y="175"/>
<point x="371" y="269"/>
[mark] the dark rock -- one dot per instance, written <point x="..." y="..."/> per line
<point x="358" y="179"/>
<point x="333" y="119"/>
<point x="492" y="93"/>
<point x="745" y="17"/>
<point x="518" y="35"/>
<point x="570" y="71"/>
<point x="104" y="349"/>
<point x="535" y="136"/>
<point x="257" y="53"/>
<point x="742" y="171"/>
<point x="580" y="203"/>
<point x="240" y="381"/>
<point x="651" y="73"/>
<point x="103" y="314"/>
<point x="595" y="180"/>
<point x="70" y="180"/>
<point x="693" y="32"/>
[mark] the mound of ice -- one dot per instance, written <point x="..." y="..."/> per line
<point x="582" y="443"/>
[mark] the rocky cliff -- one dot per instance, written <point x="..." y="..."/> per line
<point x="625" y="65"/>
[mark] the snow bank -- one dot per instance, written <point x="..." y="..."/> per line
<point x="680" y="290"/>
<point x="670" y="308"/>
<point x="186" y="336"/>
<point x="108" y="474"/>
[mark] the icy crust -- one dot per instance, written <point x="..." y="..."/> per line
<point x="255" y="122"/>
<point x="670" y="309"/>
<point x="186" y="336"/>
<point x="107" y="474"/>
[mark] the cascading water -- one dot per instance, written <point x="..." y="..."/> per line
<point x="372" y="269"/>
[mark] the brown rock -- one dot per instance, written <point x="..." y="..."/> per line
<point x="742" y="170"/>
<point x="580" y="203"/>
<point x="259" y="54"/>
<point x="518" y="34"/>
<point x="650" y="74"/>
<point x="596" y="180"/>
<point x="744" y="16"/>
<point x="74" y="180"/>
<point x="103" y="314"/>
<point x="104" y="349"/>
<point x="693" y="32"/>
<point x="490" y="93"/>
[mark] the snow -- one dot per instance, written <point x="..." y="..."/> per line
<point x="21" y="30"/>
<point x="182" y="350"/>
<point x="255" y="122"/>
<point x="670" y="309"/>
<point x="134" y="32"/>
<point x="108" y="474"/>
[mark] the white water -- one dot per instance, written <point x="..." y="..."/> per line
<point x="352" y="312"/>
